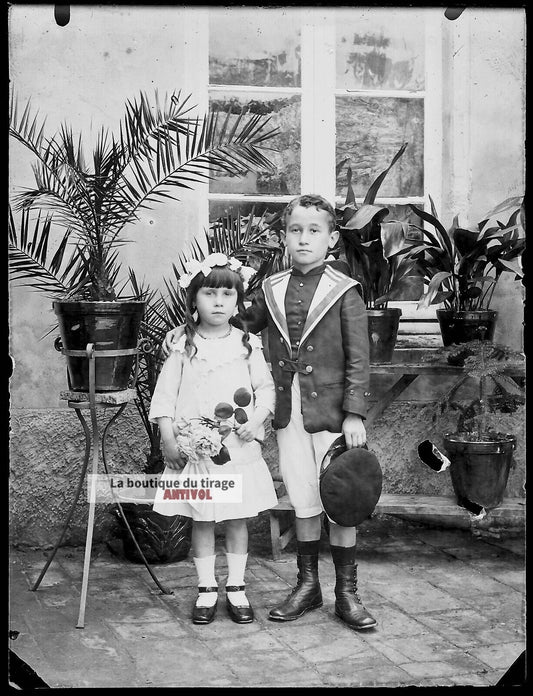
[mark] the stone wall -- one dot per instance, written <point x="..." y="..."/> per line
<point x="47" y="453"/>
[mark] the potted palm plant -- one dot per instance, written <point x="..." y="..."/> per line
<point x="481" y="454"/>
<point x="461" y="267"/>
<point x="159" y="146"/>
<point x="378" y="256"/>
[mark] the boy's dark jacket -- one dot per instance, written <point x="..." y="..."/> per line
<point x="333" y="354"/>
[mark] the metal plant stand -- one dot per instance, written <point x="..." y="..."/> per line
<point x="94" y="401"/>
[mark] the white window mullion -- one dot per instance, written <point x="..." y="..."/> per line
<point x="318" y="103"/>
<point x="461" y="168"/>
<point x="196" y="59"/>
<point x="433" y="119"/>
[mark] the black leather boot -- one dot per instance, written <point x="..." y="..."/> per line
<point x="305" y="596"/>
<point x="348" y="604"/>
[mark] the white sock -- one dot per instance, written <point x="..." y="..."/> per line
<point x="205" y="567"/>
<point x="236" y="567"/>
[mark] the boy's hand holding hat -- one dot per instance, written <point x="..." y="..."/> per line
<point x="350" y="483"/>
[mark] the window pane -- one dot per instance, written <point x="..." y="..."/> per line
<point x="284" y="113"/>
<point x="369" y="133"/>
<point x="254" y="47"/>
<point x="224" y="208"/>
<point x="380" y="49"/>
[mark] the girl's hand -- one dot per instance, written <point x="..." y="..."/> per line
<point x="173" y="457"/>
<point x="171" y="337"/>
<point x="354" y="431"/>
<point x="248" y="431"/>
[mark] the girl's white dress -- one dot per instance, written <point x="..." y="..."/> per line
<point x="188" y="389"/>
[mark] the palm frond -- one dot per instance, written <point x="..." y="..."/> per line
<point x="31" y="263"/>
<point x="160" y="149"/>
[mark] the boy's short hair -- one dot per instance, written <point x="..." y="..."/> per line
<point x="306" y="201"/>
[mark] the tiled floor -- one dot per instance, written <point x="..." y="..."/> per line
<point x="449" y="605"/>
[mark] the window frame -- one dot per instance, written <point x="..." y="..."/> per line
<point x="318" y="92"/>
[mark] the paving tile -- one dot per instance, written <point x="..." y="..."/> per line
<point x="475" y="679"/>
<point x="270" y="666"/>
<point x="466" y="628"/>
<point x="297" y="636"/>
<point x="482" y="553"/>
<point x="516" y="545"/>
<point x="348" y="647"/>
<point x="419" y="648"/>
<point x="347" y="671"/>
<point x="419" y="596"/>
<point x="460" y="663"/>
<point x="22" y="600"/>
<point x="55" y="575"/>
<point x="463" y="581"/>
<point x="245" y="641"/>
<point x="494" y="676"/>
<point x="394" y="622"/>
<point x="499" y="656"/>
<point x="187" y="662"/>
<point x="83" y="658"/>
<point x="45" y="620"/>
<point x="149" y="631"/>
<point x="513" y="578"/>
<point x="222" y="629"/>
<point x="383" y="675"/>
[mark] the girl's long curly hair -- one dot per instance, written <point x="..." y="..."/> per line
<point x="220" y="277"/>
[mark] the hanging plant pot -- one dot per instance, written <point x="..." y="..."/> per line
<point x="461" y="327"/>
<point x="107" y="325"/>
<point x="382" y="333"/>
<point x="480" y="470"/>
<point x="162" y="538"/>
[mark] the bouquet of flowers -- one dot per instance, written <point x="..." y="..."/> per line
<point x="197" y="440"/>
<point x="202" y="437"/>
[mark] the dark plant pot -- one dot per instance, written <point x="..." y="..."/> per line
<point x="109" y="326"/>
<point x="162" y="538"/>
<point x="461" y="327"/>
<point x="382" y="333"/>
<point x="480" y="470"/>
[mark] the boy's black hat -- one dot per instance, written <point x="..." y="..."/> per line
<point x="350" y="483"/>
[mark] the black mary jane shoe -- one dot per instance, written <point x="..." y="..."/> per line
<point x="204" y="615"/>
<point x="242" y="614"/>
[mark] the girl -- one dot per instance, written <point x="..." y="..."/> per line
<point x="209" y="363"/>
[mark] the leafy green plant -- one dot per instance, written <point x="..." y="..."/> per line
<point x="255" y="240"/>
<point x="485" y="362"/>
<point x="375" y="248"/>
<point x="461" y="266"/>
<point x="159" y="148"/>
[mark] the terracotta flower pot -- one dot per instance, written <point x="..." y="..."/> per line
<point x="480" y="470"/>
<point x="382" y="333"/>
<point x="461" y="327"/>
<point x="109" y="326"/>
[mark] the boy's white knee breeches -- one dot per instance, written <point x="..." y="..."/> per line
<point x="300" y="457"/>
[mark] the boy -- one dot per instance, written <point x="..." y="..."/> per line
<point x="318" y="344"/>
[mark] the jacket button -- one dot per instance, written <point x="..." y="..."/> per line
<point x="367" y="393"/>
<point x="352" y="392"/>
<point x="309" y="348"/>
<point x="280" y="388"/>
<point x="309" y="368"/>
<point x="281" y="363"/>
<point x="281" y="339"/>
<point x="314" y="395"/>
